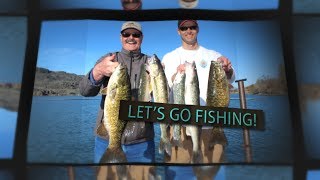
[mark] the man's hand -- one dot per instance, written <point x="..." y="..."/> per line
<point x="180" y="68"/>
<point x="226" y="65"/>
<point x="104" y="68"/>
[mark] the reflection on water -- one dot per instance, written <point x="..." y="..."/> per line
<point x="308" y="93"/>
<point x="176" y="172"/>
<point x="163" y="4"/>
<point x="131" y="4"/>
<point x="8" y="121"/>
<point x="311" y="124"/>
<point x="6" y="174"/>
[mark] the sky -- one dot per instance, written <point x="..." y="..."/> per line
<point x="306" y="6"/>
<point x="313" y="174"/>
<point x="253" y="47"/>
<point x="307" y="49"/>
<point x="163" y="4"/>
<point x="13" y="40"/>
<point x="13" y="5"/>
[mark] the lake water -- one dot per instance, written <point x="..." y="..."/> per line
<point x="8" y="120"/>
<point x="61" y="130"/>
<point x="311" y="123"/>
<point x="226" y="172"/>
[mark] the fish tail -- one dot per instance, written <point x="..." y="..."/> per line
<point x="218" y="137"/>
<point x="101" y="130"/>
<point x="176" y="142"/>
<point x="122" y="172"/>
<point x="165" y="146"/>
<point x="176" y="138"/>
<point x="113" y="155"/>
<point x="196" y="157"/>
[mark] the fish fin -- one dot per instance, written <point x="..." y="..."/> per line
<point x="149" y="91"/>
<point x="196" y="157"/>
<point x="116" y="155"/>
<point x="123" y="172"/>
<point x="165" y="147"/>
<point x="218" y="137"/>
<point x="101" y="130"/>
<point x="176" y="138"/>
<point x="176" y="142"/>
<point x="206" y="172"/>
<point x="103" y="91"/>
<point x="113" y="155"/>
<point x="188" y="131"/>
<point x="147" y="68"/>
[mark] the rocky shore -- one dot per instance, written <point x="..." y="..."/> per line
<point x="9" y="96"/>
<point x="60" y="83"/>
<point x="56" y="83"/>
<point x="46" y="83"/>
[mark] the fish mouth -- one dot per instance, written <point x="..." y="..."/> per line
<point x="153" y="59"/>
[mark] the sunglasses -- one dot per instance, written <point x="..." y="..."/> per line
<point x="135" y="35"/>
<point x="184" y="28"/>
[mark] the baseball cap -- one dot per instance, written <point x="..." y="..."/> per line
<point x="181" y="22"/>
<point x="131" y="24"/>
<point x="188" y="4"/>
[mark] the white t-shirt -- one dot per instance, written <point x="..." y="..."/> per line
<point x="202" y="58"/>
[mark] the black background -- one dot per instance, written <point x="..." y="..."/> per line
<point x="35" y="16"/>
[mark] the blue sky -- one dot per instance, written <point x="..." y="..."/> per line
<point x="254" y="47"/>
<point x="313" y="174"/>
<point x="163" y="4"/>
<point x="13" y="40"/>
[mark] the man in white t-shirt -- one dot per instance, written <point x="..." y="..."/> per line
<point x="190" y="51"/>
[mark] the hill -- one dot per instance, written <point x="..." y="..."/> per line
<point x="9" y="96"/>
<point x="56" y="83"/>
<point x="267" y="85"/>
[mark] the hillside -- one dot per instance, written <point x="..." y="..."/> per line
<point x="267" y="85"/>
<point x="47" y="83"/>
<point x="9" y="96"/>
<point x="59" y="83"/>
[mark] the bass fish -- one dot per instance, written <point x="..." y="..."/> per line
<point x="217" y="96"/>
<point x="160" y="95"/>
<point x="118" y="89"/>
<point x="178" y="90"/>
<point x="144" y="92"/>
<point x="191" y="95"/>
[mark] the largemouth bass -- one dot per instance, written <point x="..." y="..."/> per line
<point x="217" y="96"/>
<point x="145" y="89"/>
<point x="191" y="95"/>
<point x="178" y="98"/>
<point x="160" y="95"/>
<point x="118" y="89"/>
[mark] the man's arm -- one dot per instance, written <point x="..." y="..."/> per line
<point x="227" y="67"/>
<point x="91" y="83"/>
<point x="89" y="87"/>
<point x="231" y="75"/>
